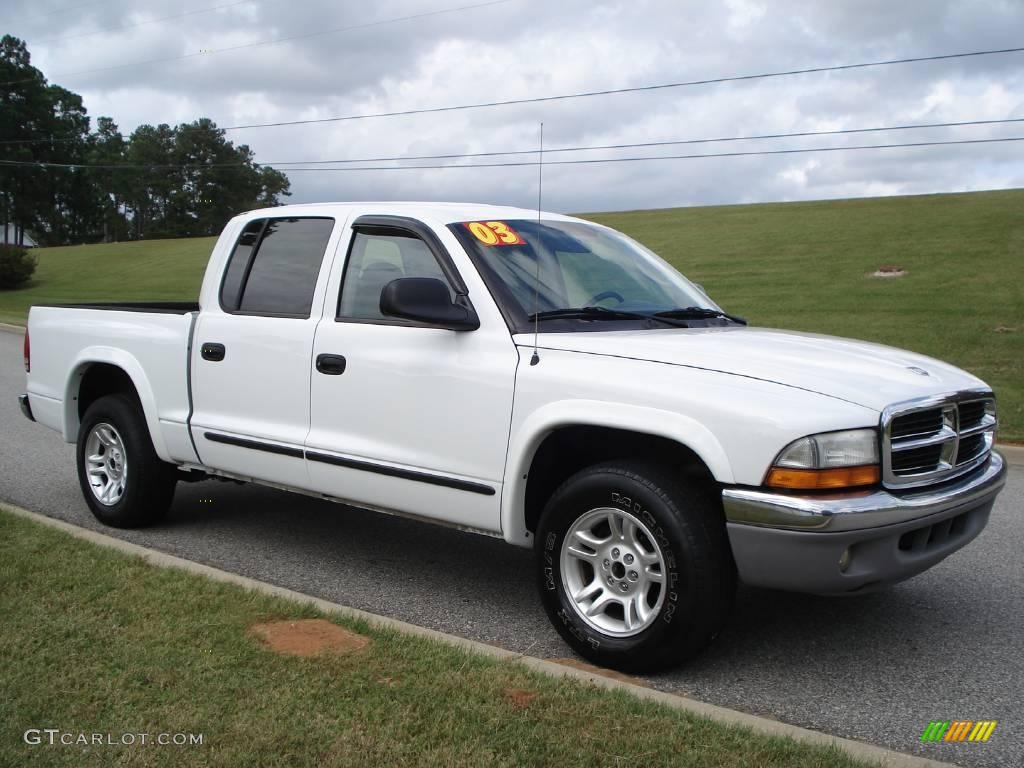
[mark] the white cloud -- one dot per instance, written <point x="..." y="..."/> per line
<point x="530" y="48"/>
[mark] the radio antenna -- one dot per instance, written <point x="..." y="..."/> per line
<point x="540" y="246"/>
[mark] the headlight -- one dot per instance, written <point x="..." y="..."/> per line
<point x="831" y="460"/>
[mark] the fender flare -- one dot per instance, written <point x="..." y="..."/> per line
<point x="127" y="363"/>
<point x="564" y="413"/>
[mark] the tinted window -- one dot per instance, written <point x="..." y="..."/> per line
<point x="285" y="266"/>
<point x="376" y="260"/>
<point x="238" y="262"/>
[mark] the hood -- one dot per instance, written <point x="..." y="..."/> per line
<point x="871" y="375"/>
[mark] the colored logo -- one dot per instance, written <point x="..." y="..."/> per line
<point x="958" y="730"/>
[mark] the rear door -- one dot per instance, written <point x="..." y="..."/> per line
<point x="251" y="352"/>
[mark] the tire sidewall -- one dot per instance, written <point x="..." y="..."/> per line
<point x="617" y="490"/>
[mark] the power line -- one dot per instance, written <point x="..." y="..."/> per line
<point x="583" y="94"/>
<point x="595" y="161"/>
<point x="506" y="153"/>
<point x="195" y="12"/>
<point x="634" y="89"/>
<point x="668" y="143"/>
<point x="274" y="41"/>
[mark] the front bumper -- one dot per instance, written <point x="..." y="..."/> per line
<point x="796" y="543"/>
<point x="26" y="407"/>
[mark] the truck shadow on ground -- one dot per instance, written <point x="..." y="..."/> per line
<point x="478" y="586"/>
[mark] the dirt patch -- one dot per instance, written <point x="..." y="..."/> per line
<point x="308" y="637"/>
<point x="519" y="698"/>
<point x="600" y="671"/>
<point x="1004" y="329"/>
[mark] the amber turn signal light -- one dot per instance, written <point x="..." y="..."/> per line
<point x="823" y="479"/>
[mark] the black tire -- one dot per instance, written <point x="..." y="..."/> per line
<point x="148" y="482"/>
<point x="699" y="574"/>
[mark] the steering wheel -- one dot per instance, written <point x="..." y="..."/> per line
<point x="606" y="295"/>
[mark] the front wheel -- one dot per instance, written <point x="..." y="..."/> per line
<point x="124" y="482"/>
<point x="634" y="566"/>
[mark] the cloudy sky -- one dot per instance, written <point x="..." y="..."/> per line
<point x="528" y="48"/>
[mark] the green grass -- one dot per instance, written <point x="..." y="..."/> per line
<point x="147" y="270"/>
<point x="802" y="266"/>
<point x="94" y="641"/>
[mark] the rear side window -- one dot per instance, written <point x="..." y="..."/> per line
<point x="274" y="266"/>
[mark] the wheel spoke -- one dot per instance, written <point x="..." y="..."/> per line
<point x="654" y="576"/>
<point x="582" y="554"/>
<point x="615" y="525"/>
<point x="96" y="471"/>
<point x="599" y="603"/>
<point x="587" y="592"/>
<point x="588" y="538"/>
<point x="649" y="558"/>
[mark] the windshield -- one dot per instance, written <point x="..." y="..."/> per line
<point x="581" y="265"/>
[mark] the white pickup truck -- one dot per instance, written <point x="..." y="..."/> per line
<point x="533" y="377"/>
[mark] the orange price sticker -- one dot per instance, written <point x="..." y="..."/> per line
<point x="494" y="233"/>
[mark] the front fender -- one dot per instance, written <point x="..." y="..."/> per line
<point x="539" y="424"/>
<point x="127" y="363"/>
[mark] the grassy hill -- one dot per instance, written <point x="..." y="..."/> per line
<point x="803" y="266"/>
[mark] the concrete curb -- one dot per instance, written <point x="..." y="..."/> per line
<point x="12" y="328"/>
<point x="1014" y="454"/>
<point x="859" y="750"/>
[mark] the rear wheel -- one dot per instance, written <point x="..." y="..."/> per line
<point x="634" y="566"/>
<point x="123" y="481"/>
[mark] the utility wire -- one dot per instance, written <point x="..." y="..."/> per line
<point x="592" y="148"/>
<point x="634" y="89"/>
<point x="584" y="94"/>
<point x="273" y="41"/>
<point x="595" y="161"/>
<point x="507" y="153"/>
<point x="195" y="12"/>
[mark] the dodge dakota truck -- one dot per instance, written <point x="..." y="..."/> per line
<point x="534" y="377"/>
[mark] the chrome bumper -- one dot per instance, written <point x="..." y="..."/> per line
<point x="26" y="407"/>
<point x="843" y="543"/>
<point x="870" y="509"/>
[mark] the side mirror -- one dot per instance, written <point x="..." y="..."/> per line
<point x="427" y="300"/>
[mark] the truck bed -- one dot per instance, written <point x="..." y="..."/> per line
<point x="149" y="341"/>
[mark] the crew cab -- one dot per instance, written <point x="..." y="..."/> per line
<point x="534" y="377"/>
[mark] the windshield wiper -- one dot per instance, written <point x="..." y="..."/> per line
<point x="698" y="313"/>
<point x="598" y="313"/>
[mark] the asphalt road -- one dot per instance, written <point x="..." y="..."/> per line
<point x="946" y="645"/>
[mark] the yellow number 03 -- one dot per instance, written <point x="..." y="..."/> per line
<point x="493" y="233"/>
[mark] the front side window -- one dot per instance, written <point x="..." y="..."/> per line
<point x="375" y="260"/>
<point x="274" y="267"/>
<point x="557" y="265"/>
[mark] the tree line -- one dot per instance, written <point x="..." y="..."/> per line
<point x="192" y="179"/>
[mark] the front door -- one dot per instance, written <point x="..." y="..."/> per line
<point x="414" y="418"/>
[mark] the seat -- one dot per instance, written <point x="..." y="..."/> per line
<point x="372" y="280"/>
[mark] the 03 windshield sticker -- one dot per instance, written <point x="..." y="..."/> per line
<point x="494" y="233"/>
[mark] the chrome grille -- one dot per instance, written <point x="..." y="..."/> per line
<point x="936" y="438"/>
